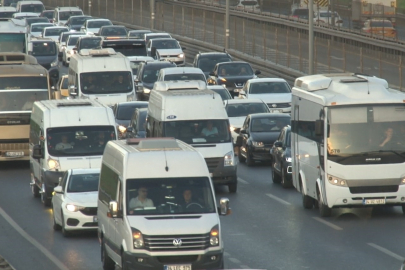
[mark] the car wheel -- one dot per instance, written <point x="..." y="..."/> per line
<point x="307" y="201"/>
<point x="274" y="175"/>
<point x="233" y="188"/>
<point x="35" y="190"/>
<point x="324" y="210"/>
<point x="284" y="182"/>
<point x="240" y="157"/>
<point x="65" y="232"/>
<point x="56" y="226"/>
<point x="45" y="200"/>
<point x="249" y="159"/>
<point x="108" y="263"/>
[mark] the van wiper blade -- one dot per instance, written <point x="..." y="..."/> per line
<point x="401" y="154"/>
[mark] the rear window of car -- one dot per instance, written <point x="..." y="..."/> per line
<point x="380" y="24"/>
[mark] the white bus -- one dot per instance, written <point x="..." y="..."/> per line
<point x="348" y="142"/>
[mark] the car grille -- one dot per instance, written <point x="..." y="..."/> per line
<point x="13" y="146"/>
<point x="212" y="163"/>
<point x="177" y="259"/>
<point x="373" y="189"/>
<point x="89" y="211"/>
<point x="279" y="105"/>
<point x="165" y="242"/>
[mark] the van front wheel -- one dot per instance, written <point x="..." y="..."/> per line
<point x="108" y="263"/>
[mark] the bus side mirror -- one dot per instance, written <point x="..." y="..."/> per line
<point x="319" y="127"/>
<point x="37" y="152"/>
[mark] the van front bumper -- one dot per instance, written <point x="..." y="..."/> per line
<point x="210" y="260"/>
<point x="219" y="173"/>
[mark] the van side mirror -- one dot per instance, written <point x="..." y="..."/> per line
<point x="112" y="209"/>
<point x="37" y="152"/>
<point x="278" y="144"/>
<point x="72" y="90"/>
<point x="153" y="52"/>
<point x="58" y="189"/>
<point x="212" y="73"/>
<point x="319" y="127"/>
<point x="257" y="72"/>
<point x="224" y="208"/>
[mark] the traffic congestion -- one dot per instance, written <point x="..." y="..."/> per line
<point x="143" y="158"/>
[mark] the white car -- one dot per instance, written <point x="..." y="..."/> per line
<point x="181" y="74"/>
<point x="238" y="109"/>
<point x="74" y="202"/>
<point x="54" y="32"/>
<point x="167" y="49"/>
<point x="275" y="92"/>
<point x="23" y="15"/>
<point x="70" y="44"/>
<point x="323" y="17"/>
<point x="135" y="61"/>
<point x="35" y="29"/>
<point x="92" y="26"/>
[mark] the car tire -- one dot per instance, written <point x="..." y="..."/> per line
<point x="56" y="226"/>
<point x="233" y="188"/>
<point x="276" y="178"/>
<point x="108" y="263"/>
<point x="324" y="210"/>
<point x="44" y="199"/>
<point x="240" y="157"/>
<point x="284" y="182"/>
<point x="307" y="201"/>
<point x="35" y="191"/>
<point x="249" y="160"/>
<point x="65" y="232"/>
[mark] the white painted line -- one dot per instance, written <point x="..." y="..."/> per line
<point x="333" y="226"/>
<point x="234" y="260"/>
<point x="278" y="199"/>
<point x="386" y="251"/>
<point x="245" y="267"/>
<point x="226" y="254"/>
<point x="243" y="181"/>
<point x="34" y="242"/>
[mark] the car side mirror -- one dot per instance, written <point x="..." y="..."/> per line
<point x="257" y="72"/>
<point x="278" y="144"/>
<point x="58" y="189"/>
<point x="212" y="73"/>
<point x="242" y="93"/>
<point x="243" y="131"/>
<point x="37" y="152"/>
<point x="130" y="129"/>
<point x="224" y="208"/>
<point x="319" y="127"/>
<point x="113" y="210"/>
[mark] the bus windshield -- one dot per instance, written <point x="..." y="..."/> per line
<point x="78" y="141"/>
<point x="198" y="131"/>
<point x="106" y="82"/>
<point x="367" y="134"/>
<point x="20" y="100"/>
<point x="12" y="42"/>
<point x="169" y="196"/>
<point x="35" y="8"/>
<point x="128" y="49"/>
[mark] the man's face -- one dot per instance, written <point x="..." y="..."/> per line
<point x="120" y="79"/>
<point x="64" y="139"/>
<point x="187" y="195"/>
<point x="143" y="192"/>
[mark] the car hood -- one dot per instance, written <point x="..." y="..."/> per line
<point x="87" y="199"/>
<point x="164" y="52"/>
<point x="272" y="98"/>
<point x="237" y="122"/>
<point x="266" y="137"/>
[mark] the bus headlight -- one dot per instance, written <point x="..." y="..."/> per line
<point x="336" y="181"/>
<point x="137" y="238"/>
<point x="214" y="236"/>
<point x="53" y="164"/>
<point x="229" y="159"/>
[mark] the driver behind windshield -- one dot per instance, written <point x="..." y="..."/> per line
<point x="210" y="130"/>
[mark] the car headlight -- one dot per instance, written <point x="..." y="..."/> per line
<point x="122" y="129"/>
<point x="229" y="159"/>
<point x="53" y="164"/>
<point x="222" y="79"/>
<point x="137" y="238"/>
<point x="336" y="181"/>
<point x="55" y="63"/>
<point x="214" y="236"/>
<point x="73" y="208"/>
<point x="232" y="128"/>
<point x="288" y="159"/>
<point x="258" y="144"/>
<point x="402" y="181"/>
<point x="71" y="52"/>
<point x="146" y="90"/>
<point x="181" y="55"/>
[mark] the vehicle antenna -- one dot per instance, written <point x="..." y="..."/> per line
<point x="167" y="167"/>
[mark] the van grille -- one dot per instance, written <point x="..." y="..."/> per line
<point x="212" y="163"/>
<point x="165" y="242"/>
<point x="373" y="189"/>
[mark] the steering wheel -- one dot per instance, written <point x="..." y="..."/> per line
<point x="194" y="203"/>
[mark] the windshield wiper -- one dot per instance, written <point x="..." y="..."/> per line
<point x="402" y="154"/>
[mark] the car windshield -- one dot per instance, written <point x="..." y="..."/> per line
<point x="269" y="124"/>
<point x="150" y="73"/>
<point x="136" y="34"/>
<point x="65" y="36"/>
<point x="78" y="141"/>
<point x="198" y="131"/>
<point x="169" y="196"/>
<point x="165" y="44"/>
<point x="83" y="183"/>
<point x="55" y="32"/>
<point x="131" y="49"/>
<point x="72" y="41"/>
<point x="113" y="31"/>
<point x="244" y="109"/>
<point x="90" y="43"/>
<point x="225" y="95"/>
<point x="98" y="24"/>
<point x="6" y="14"/>
<point x="126" y="111"/>
<point x="65" y="83"/>
<point x="269" y="88"/>
<point x="380" y="24"/>
<point x="48" y="15"/>
<point x="30" y="21"/>
<point x="35" y="8"/>
<point x="207" y="64"/>
<point x="65" y="15"/>
<point x="142" y="121"/>
<point x="43" y="48"/>
<point x="185" y="77"/>
<point x="288" y="138"/>
<point x="106" y="82"/>
<point x="78" y="20"/>
<point x="20" y="100"/>
<point x="237" y="69"/>
<point x="39" y="28"/>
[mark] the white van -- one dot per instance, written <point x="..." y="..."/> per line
<point x="30" y="6"/>
<point x="181" y="74"/>
<point x="62" y="14"/>
<point x="66" y="134"/>
<point x="198" y="117"/>
<point x="160" y="213"/>
<point x="101" y="74"/>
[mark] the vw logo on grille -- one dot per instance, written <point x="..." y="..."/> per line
<point x="177" y="242"/>
<point x="274" y="105"/>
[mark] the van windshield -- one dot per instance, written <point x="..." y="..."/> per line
<point x="43" y="49"/>
<point x="198" y="131"/>
<point x="109" y="82"/>
<point x="36" y="8"/>
<point x="169" y="196"/>
<point x="78" y="141"/>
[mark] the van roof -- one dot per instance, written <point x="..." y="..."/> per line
<point x="179" y="70"/>
<point x="71" y="103"/>
<point x="68" y="8"/>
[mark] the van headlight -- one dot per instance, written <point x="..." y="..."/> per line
<point x="137" y="238"/>
<point x="336" y="181"/>
<point x="181" y="55"/>
<point x="258" y="144"/>
<point x="55" y="63"/>
<point x="71" y="52"/>
<point x="122" y="129"/>
<point x="74" y="208"/>
<point x="229" y="159"/>
<point x="214" y="236"/>
<point x="53" y="164"/>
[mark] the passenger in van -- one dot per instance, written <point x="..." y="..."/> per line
<point x="210" y="130"/>
<point x="64" y="144"/>
<point x="386" y="139"/>
<point x="119" y="83"/>
<point x="141" y="200"/>
<point x="89" y="83"/>
<point x="100" y="140"/>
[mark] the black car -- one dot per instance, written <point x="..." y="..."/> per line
<point x="47" y="14"/>
<point x="29" y="21"/>
<point x="300" y="13"/>
<point x="138" y="33"/>
<point x="147" y="76"/>
<point x="207" y="61"/>
<point x="75" y="22"/>
<point x="112" y="31"/>
<point x="258" y="134"/>
<point x="281" y="158"/>
<point x="222" y="91"/>
<point x="233" y="75"/>
<point x="136" y="128"/>
<point x="123" y="112"/>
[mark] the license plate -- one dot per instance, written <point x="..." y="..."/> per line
<point x="374" y="201"/>
<point x="178" y="267"/>
<point x="14" y="154"/>
<point x="95" y="219"/>
<point x="276" y="111"/>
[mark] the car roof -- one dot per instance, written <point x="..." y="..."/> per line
<point x="42" y="23"/>
<point x="131" y="103"/>
<point x="157" y="34"/>
<point x="244" y="100"/>
<point x="94" y="20"/>
<point x="258" y="80"/>
<point x="113" y="26"/>
<point x="216" y="87"/>
<point x="213" y="53"/>
<point x="48" y="11"/>
<point x="57" y="27"/>
<point x="177" y="70"/>
<point x="155" y="39"/>
<point x="270" y="115"/>
<point x="84" y="171"/>
<point x="141" y="31"/>
<point x="68" y="8"/>
<point x="140" y="58"/>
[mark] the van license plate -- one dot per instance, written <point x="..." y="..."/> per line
<point x="374" y="201"/>
<point x="276" y="111"/>
<point x="14" y="154"/>
<point x="178" y="267"/>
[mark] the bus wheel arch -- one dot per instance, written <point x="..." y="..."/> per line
<point x="324" y="209"/>
<point x="307" y="201"/>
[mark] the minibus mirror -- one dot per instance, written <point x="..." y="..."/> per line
<point x="212" y="73"/>
<point x="224" y="208"/>
<point x="58" y="189"/>
<point x="278" y="144"/>
<point x="113" y="209"/>
<point x="37" y="152"/>
<point x="239" y="141"/>
<point x="319" y="127"/>
<point x="257" y="72"/>
<point x="72" y="90"/>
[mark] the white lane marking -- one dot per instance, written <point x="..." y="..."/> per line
<point x="234" y="260"/>
<point x="386" y="251"/>
<point x="243" y="181"/>
<point x="278" y="199"/>
<point x="226" y="254"/>
<point x="333" y="226"/>
<point x="34" y="242"/>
